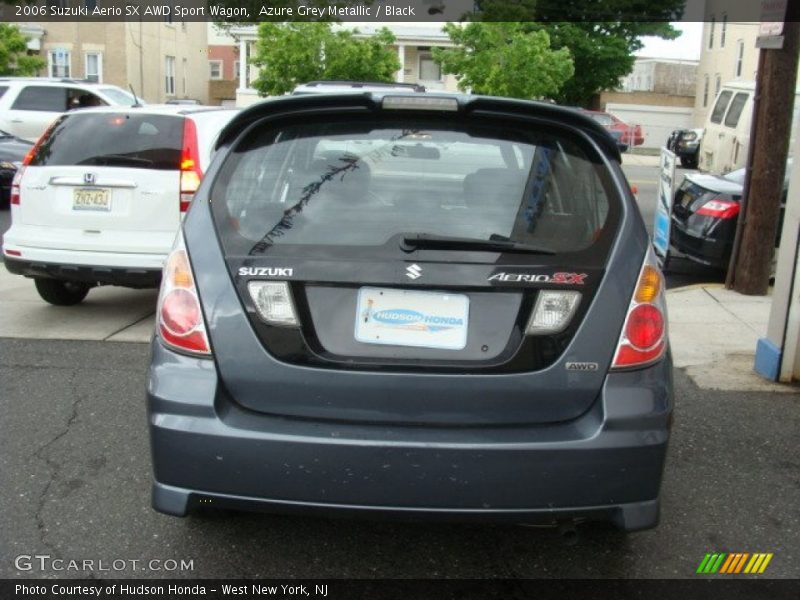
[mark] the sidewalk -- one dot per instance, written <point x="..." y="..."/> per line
<point x="641" y="160"/>
<point x="713" y="334"/>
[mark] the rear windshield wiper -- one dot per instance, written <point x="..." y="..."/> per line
<point x="441" y="242"/>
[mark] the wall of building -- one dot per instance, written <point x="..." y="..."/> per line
<point x="649" y="98"/>
<point x="657" y="122"/>
<point x="675" y="78"/>
<point x="148" y="44"/>
<point x="719" y="61"/>
<point x="78" y="39"/>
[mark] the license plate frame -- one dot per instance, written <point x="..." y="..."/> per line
<point x="91" y="199"/>
<point x="412" y="318"/>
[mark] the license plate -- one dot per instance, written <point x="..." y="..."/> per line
<point x="91" y="199"/>
<point x="412" y="318"/>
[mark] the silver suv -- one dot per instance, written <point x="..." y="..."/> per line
<point x="29" y="104"/>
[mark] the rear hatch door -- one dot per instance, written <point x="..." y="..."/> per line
<point x="103" y="181"/>
<point x="415" y="249"/>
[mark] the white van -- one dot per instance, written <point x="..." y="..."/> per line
<point x="726" y="141"/>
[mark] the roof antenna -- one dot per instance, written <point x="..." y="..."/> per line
<point x="136" y="103"/>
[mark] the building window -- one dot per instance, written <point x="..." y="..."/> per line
<point x="215" y="69"/>
<point x="717" y="84"/>
<point x="428" y="69"/>
<point x="739" y="57"/>
<point x="169" y="75"/>
<point x="724" y="31"/>
<point x="59" y="63"/>
<point x="94" y="67"/>
<point x="706" y="83"/>
<point x="711" y="33"/>
<point x="236" y="68"/>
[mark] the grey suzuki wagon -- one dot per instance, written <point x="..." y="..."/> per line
<point x="413" y="305"/>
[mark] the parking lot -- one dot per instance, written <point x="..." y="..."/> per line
<point x="76" y="473"/>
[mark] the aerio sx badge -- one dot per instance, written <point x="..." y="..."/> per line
<point x="557" y="278"/>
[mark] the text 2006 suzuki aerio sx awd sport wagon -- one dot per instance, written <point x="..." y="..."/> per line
<point x="418" y="305"/>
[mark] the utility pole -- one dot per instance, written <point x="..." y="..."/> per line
<point x="772" y="123"/>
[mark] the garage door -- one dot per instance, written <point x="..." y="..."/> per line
<point x="657" y="121"/>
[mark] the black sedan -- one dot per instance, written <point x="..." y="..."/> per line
<point x="12" y="152"/>
<point x="704" y="216"/>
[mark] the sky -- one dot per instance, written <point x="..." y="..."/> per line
<point x="687" y="46"/>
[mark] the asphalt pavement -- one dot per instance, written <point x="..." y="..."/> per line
<point x="75" y="464"/>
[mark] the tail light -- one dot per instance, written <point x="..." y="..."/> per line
<point x="16" y="196"/>
<point x="191" y="174"/>
<point x="719" y="209"/>
<point x="643" y="340"/>
<point x="15" y="183"/>
<point x="179" y="318"/>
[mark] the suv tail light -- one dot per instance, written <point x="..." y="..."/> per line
<point x="719" y="209"/>
<point x="16" y="196"/>
<point x="191" y="174"/>
<point x="15" y="183"/>
<point x="643" y="340"/>
<point x="179" y="318"/>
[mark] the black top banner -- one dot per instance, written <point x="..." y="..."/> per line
<point x="253" y="11"/>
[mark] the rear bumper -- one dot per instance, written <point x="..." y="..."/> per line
<point x="127" y="277"/>
<point x="703" y="250"/>
<point x="605" y="465"/>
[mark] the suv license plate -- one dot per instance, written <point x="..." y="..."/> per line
<point x="411" y="318"/>
<point x="91" y="199"/>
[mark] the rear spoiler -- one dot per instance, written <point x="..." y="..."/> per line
<point x="371" y="101"/>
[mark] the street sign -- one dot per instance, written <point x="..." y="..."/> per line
<point x="773" y="12"/>
<point x="661" y="225"/>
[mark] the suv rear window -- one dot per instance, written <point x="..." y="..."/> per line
<point x="720" y="106"/>
<point x="735" y="111"/>
<point x="113" y="139"/>
<point x="362" y="184"/>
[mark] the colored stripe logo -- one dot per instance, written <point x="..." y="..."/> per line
<point x="734" y="563"/>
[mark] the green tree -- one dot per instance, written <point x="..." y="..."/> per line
<point x="292" y="53"/>
<point x="13" y="53"/>
<point x="504" y="59"/>
<point x="602" y="52"/>
<point x="601" y="35"/>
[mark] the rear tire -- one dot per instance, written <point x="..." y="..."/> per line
<point x="61" y="293"/>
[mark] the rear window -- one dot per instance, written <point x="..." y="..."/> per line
<point x="720" y="106"/>
<point x="323" y="184"/>
<point x="41" y="97"/>
<point x="3" y="90"/>
<point x="735" y="111"/>
<point x="113" y="139"/>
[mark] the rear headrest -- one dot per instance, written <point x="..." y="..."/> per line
<point x="494" y="187"/>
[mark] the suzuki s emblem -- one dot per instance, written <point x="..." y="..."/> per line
<point x="89" y="178"/>
<point x="414" y="271"/>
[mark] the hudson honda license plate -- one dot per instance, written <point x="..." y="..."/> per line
<point x="412" y="318"/>
<point x="91" y="199"/>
